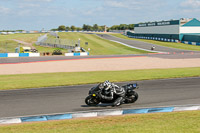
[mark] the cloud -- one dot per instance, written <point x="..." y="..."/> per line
<point x="191" y="3"/>
<point x="25" y="5"/>
<point x="133" y="4"/>
<point x="4" y="10"/>
<point x="191" y="8"/>
<point x="38" y="0"/>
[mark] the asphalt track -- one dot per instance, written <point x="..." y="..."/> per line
<point x="175" y="55"/>
<point x="141" y="44"/>
<point x="152" y="93"/>
<point x="172" y="53"/>
<point x="50" y="100"/>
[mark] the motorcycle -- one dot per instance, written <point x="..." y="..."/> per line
<point x="94" y="97"/>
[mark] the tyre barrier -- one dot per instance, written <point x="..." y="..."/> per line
<point x="77" y="54"/>
<point x="97" y="113"/>
<point x="19" y="54"/>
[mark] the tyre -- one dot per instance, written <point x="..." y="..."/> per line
<point x="91" y="101"/>
<point x="132" y="98"/>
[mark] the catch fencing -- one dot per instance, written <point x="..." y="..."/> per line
<point x="58" y="43"/>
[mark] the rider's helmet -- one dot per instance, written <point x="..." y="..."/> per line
<point x="101" y="85"/>
<point x="107" y="85"/>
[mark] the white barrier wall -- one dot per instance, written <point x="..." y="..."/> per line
<point x="168" y="29"/>
<point x="13" y="54"/>
<point x="34" y="54"/>
<point x="192" y="29"/>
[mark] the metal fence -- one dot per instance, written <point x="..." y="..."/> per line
<point x="58" y="43"/>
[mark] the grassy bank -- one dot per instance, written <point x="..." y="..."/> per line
<point x="166" y="44"/>
<point x="8" y="82"/>
<point x="8" y="46"/>
<point x="99" y="46"/>
<point x="21" y="36"/>
<point x="175" y="122"/>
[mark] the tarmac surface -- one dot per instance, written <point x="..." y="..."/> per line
<point x="152" y="93"/>
<point x="171" y="53"/>
<point x="141" y="44"/>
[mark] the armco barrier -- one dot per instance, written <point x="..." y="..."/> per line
<point x="77" y="54"/>
<point x="19" y="54"/>
<point x="98" y="113"/>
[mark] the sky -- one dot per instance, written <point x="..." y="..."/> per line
<point x="49" y="14"/>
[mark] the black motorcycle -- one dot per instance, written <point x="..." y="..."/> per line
<point x="94" y="97"/>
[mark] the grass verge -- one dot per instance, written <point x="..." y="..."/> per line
<point x="99" y="46"/>
<point x="175" y="122"/>
<point x="166" y="44"/>
<point x="8" y="82"/>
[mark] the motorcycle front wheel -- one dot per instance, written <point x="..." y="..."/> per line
<point x="91" y="101"/>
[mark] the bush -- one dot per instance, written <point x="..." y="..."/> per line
<point x="57" y="52"/>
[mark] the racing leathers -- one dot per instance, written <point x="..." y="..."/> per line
<point x="109" y="90"/>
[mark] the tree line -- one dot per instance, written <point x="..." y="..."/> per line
<point x="95" y="27"/>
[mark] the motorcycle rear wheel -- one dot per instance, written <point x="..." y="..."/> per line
<point x="132" y="98"/>
<point x="91" y="101"/>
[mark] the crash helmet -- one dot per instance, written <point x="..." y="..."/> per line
<point x="101" y="86"/>
<point x="107" y="84"/>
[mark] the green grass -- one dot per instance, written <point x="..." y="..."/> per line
<point x="8" y="46"/>
<point x="8" y="82"/>
<point x="166" y="44"/>
<point x="48" y="49"/>
<point x="99" y="46"/>
<point x="22" y="37"/>
<point x="174" y="122"/>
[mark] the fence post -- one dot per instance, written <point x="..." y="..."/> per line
<point x="6" y="47"/>
<point x="79" y="42"/>
<point x="19" y="48"/>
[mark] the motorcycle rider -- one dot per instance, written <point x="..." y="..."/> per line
<point x="109" y="90"/>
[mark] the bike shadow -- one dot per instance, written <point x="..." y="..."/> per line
<point x="99" y="105"/>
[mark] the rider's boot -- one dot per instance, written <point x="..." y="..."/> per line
<point x="118" y="101"/>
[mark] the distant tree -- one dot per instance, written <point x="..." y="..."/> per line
<point x="79" y="29"/>
<point x="73" y="28"/>
<point x="54" y="29"/>
<point x="68" y="28"/>
<point x="19" y="30"/>
<point x="90" y="28"/>
<point x="103" y="27"/>
<point x="85" y="27"/>
<point x="95" y="27"/>
<point x="131" y="26"/>
<point x="123" y="27"/>
<point x="100" y="28"/>
<point x="61" y="27"/>
<point x="115" y="27"/>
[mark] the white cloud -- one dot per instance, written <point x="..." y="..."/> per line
<point x="191" y="3"/>
<point x="93" y="11"/>
<point x="4" y="10"/>
<point x="190" y="8"/>
<point x="133" y="4"/>
<point x="25" y="5"/>
<point x="38" y="0"/>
